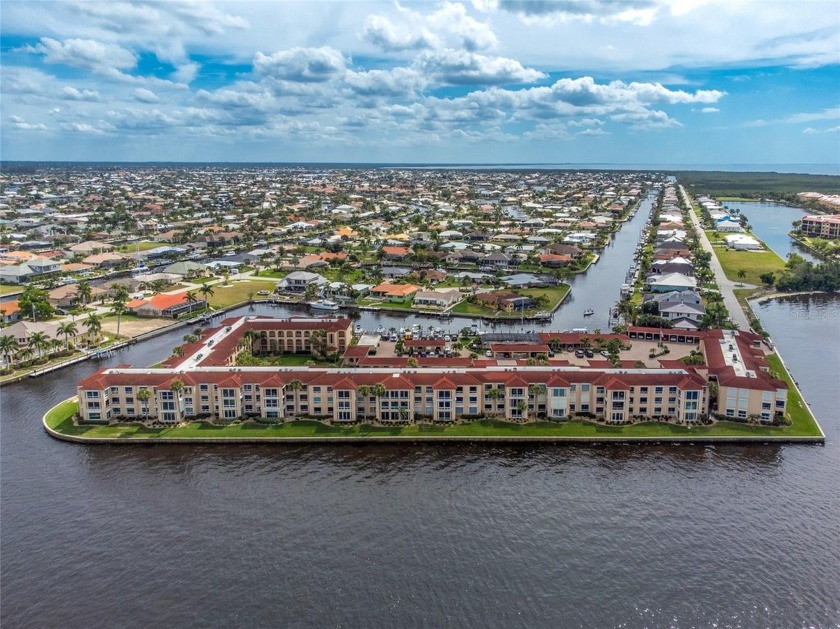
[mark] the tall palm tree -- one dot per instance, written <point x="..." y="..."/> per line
<point x="8" y="345"/>
<point x="68" y="328"/>
<point x="94" y="325"/>
<point x="206" y="292"/>
<point x="191" y="298"/>
<point x="39" y="341"/>
<point x="295" y="386"/>
<point x="54" y="345"/>
<point x="84" y="291"/>
<point x="143" y="396"/>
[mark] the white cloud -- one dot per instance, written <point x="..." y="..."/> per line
<point x="71" y="93"/>
<point x="143" y="95"/>
<point x="450" y="25"/>
<point x="306" y="65"/>
<point x="397" y="82"/>
<point x="86" y="54"/>
<point x="21" y="124"/>
<point x="809" y="131"/>
<point x="593" y="132"/>
<point x="459" y="67"/>
<point x="832" y="113"/>
<point x="710" y="110"/>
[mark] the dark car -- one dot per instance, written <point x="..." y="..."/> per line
<point x="590" y="353"/>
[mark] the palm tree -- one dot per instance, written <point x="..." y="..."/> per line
<point x="67" y="328"/>
<point x="94" y="325"/>
<point x="8" y="345"/>
<point x="191" y="298"/>
<point x="295" y="386"/>
<point x="84" y="291"/>
<point x="206" y="291"/>
<point x="39" y="341"/>
<point x="143" y="396"/>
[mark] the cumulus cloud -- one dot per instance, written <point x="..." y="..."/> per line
<point x="592" y="132"/>
<point x="709" y="110"/>
<point x="143" y="95"/>
<point x="459" y="67"/>
<point x="86" y="54"/>
<point x="71" y="93"/>
<point x="19" y="123"/>
<point x="397" y="82"/>
<point x="448" y="26"/>
<point x="646" y="119"/>
<point x="306" y="65"/>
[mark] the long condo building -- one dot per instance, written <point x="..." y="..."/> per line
<point x="204" y="384"/>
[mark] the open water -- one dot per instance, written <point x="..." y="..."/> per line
<point x="427" y="535"/>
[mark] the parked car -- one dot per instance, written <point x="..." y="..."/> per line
<point x="579" y="353"/>
<point x="590" y="353"/>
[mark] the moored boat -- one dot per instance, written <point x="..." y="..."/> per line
<point x="324" y="304"/>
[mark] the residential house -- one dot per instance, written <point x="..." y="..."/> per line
<point x="297" y="281"/>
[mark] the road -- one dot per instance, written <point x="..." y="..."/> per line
<point x="727" y="287"/>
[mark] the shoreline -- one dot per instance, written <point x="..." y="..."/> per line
<point x="357" y="440"/>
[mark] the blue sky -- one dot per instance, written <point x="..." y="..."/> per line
<point x="643" y="81"/>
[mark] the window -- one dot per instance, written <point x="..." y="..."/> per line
<point x="584" y="388"/>
<point x="129" y="390"/>
<point x="92" y="395"/>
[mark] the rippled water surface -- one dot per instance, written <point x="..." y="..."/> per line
<point x="382" y="536"/>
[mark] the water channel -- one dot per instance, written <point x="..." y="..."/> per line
<point x="772" y="222"/>
<point x="385" y="536"/>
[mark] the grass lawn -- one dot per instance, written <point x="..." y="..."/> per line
<point x="202" y="280"/>
<point x="60" y="419"/>
<point x="472" y="309"/>
<point x="754" y="263"/>
<point x="5" y="289"/>
<point x="555" y="294"/>
<point x="142" y="246"/>
<point x="237" y="292"/>
<point x="797" y="411"/>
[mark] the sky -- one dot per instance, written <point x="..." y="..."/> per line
<point x="478" y="81"/>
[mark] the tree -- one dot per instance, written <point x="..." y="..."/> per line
<point x="295" y="386"/>
<point x="143" y="396"/>
<point x="68" y="328"/>
<point x="206" y="292"/>
<point x="8" y="345"/>
<point x="35" y="302"/>
<point x="85" y="292"/>
<point x="767" y="278"/>
<point x="191" y="298"/>
<point x="742" y="274"/>
<point x="39" y="341"/>
<point x="94" y="325"/>
<point x="118" y="304"/>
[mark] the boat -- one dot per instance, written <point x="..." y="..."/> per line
<point x="324" y="304"/>
<point x="588" y="313"/>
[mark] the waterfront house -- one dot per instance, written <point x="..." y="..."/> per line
<point x="438" y="299"/>
<point x="165" y="305"/>
<point x="505" y="301"/>
<point x="670" y="282"/>
<point x="743" y="242"/>
<point x="297" y="281"/>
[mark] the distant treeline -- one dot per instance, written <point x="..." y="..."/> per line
<point x="757" y="185"/>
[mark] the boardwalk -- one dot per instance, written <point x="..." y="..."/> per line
<point x="727" y="286"/>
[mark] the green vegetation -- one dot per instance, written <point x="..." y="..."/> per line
<point x="60" y="419"/>
<point x="281" y="360"/>
<point x="237" y="292"/>
<point x="6" y="289"/>
<point x="141" y="246"/>
<point x="799" y="274"/>
<point x="554" y="295"/>
<point x="756" y="185"/>
<point x="753" y="263"/>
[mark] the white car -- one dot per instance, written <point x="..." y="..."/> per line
<point x="263" y="292"/>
